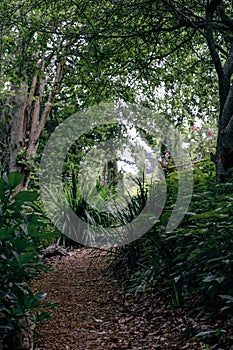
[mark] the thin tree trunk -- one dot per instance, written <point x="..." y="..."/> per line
<point x="28" y="117"/>
<point x="17" y="134"/>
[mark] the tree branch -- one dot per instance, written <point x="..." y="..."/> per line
<point x="38" y="123"/>
<point x="51" y="98"/>
<point x="186" y="17"/>
<point x="36" y="111"/>
<point x="228" y="66"/>
<point x="225" y="18"/>
<point x="184" y="42"/>
<point x="213" y="5"/>
<point x="210" y="37"/>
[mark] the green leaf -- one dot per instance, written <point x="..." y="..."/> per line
<point x="26" y="258"/>
<point x="212" y="278"/>
<point x="2" y="189"/>
<point x="207" y="215"/>
<point x="41" y="296"/>
<point x="204" y="334"/>
<point x="7" y="326"/>
<point x="20" y="244"/>
<point x="26" y="196"/>
<point x="5" y="235"/>
<point x="14" y="179"/>
<point x="228" y="297"/>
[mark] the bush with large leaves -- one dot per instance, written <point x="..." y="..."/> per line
<point x="22" y="228"/>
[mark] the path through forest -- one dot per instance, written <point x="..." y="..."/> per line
<point x="91" y="313"/>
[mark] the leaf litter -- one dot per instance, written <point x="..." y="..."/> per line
<point x="94" y="313"/>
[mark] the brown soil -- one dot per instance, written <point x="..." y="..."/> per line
<point x="93" y="314"/>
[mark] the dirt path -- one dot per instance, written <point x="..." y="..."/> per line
<point x="91" y="314"/>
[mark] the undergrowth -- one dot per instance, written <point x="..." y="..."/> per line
<point x="22" y="231"/>
<point x="196" y="258"/>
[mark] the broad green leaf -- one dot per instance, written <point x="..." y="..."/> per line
<point x="20" y="244"/>
<point x="26" y="196"/>
<point x="25" y="258"/>
<point x="5" y="235"/>
<point x="14" y="179"/>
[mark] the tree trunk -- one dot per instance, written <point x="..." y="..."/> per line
<point x="224" y="150"/>
<point x="28" y="119"/>
<point x="18" y="125"/>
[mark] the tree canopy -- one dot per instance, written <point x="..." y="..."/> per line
<point x="182" y="44"/>
<point x="65" y="55"/>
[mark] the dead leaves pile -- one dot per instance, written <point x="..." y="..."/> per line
<point x="93" y="313"/>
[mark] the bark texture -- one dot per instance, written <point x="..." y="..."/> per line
<point x="224" y="150"/>
<point x="31" y="106"/>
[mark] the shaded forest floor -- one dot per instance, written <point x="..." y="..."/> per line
<point x="92" y="313"/>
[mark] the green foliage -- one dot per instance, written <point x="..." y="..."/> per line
<point x="22" y="226"/>
<point x="195" y="259"/>
<point x="95" y="204"/>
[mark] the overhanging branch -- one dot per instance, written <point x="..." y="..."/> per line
<point x="210" y="37"/>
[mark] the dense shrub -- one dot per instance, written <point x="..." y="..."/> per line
<point x="197" y="258"/>
<point x="22" y="228"/>
<point x="90" y="202"/>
